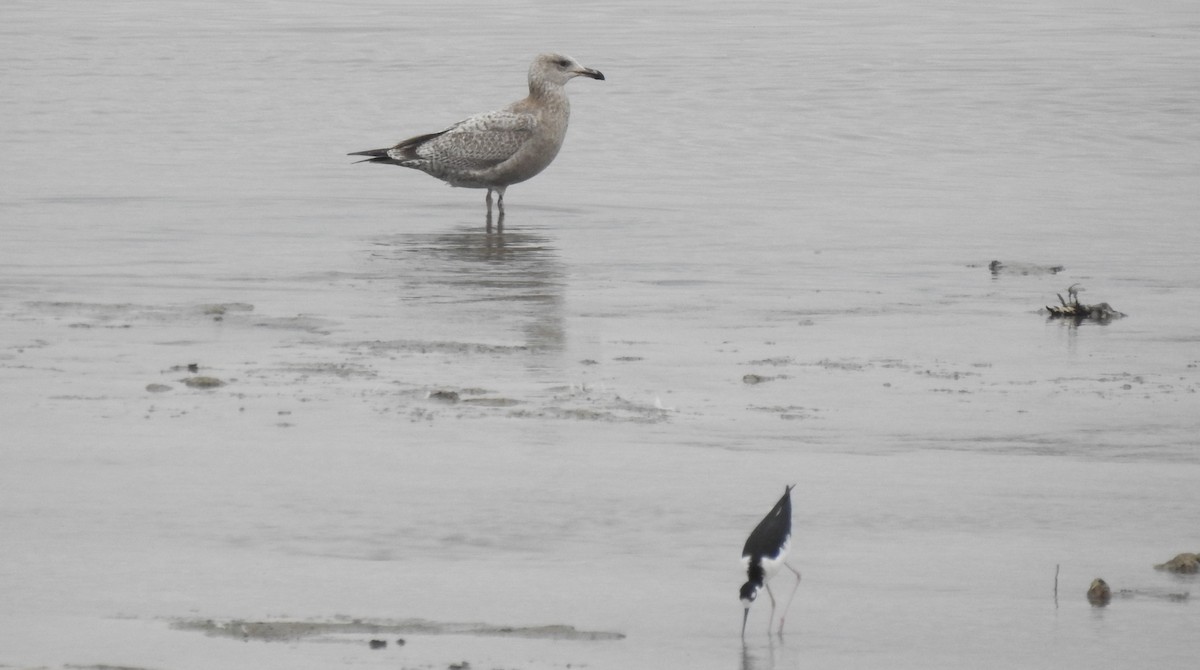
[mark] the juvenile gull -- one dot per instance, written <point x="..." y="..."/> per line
<point x="496" y="149"/>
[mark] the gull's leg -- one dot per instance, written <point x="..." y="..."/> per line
<point x="500" y="207"/>
<point x="488" y="200"/>
<point x="789" y="602"/>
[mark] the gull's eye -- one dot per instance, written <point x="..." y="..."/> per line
<point x="562" y="62"/>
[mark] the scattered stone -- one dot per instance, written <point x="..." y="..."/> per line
<point x="193" y="367"/>
<point x="400" y="642"/>
<point x="1185" y="564"/>
<point x="459" y="666"/>
<point x="202" y="382"/>
<point x="1098" y="594"/>
<point x="158" y="388"/>
<point x="378" y="644"/>
<point x="755" y="379"/>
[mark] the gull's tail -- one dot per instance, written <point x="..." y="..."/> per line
<point x="376" y="156"/>
<point x="400" y="154"/>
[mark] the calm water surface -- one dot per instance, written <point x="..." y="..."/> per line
<point x="807" y="193"/>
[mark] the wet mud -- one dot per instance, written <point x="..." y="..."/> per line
<point x="343" y="628"/>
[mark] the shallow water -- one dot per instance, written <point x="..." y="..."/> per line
<point x="554" y="425"/>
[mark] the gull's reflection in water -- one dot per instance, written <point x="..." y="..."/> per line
<point x="484" y="286"/>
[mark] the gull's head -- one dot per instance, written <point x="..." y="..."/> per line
<point x="558" y="69"/>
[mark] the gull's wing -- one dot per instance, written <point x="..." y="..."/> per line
<point x="475" y="143"/>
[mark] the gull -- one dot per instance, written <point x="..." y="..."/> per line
<point x="497" y="149"/>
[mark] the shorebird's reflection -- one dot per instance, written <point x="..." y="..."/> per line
<point x="758" y="658"/>
<point x="493" y="283"/>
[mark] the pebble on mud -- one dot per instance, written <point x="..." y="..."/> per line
<point x="158" y="388"/>
<point x="378" y="644"/>
<point x="755" y="379"/>
<point x="202" y="382"/>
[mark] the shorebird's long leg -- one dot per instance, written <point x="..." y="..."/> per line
<point x="772" y="616"/>
<point x="788" y="606"/>
<point x="488" y="200"/>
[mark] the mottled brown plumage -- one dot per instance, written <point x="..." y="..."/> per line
<point x="496" y="149"/>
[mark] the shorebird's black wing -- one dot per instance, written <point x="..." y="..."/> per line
<point x="772" y="532"/>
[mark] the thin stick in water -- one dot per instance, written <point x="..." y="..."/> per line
<point x="1056" y="565"/>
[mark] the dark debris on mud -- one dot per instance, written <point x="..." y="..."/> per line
<point x="1071" y="308"/>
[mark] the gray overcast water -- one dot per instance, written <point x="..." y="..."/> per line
<point x="760" y="259"/>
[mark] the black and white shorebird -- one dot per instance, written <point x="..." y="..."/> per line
<point x="765" y="552"/>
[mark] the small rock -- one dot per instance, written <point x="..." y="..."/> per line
<point x="202" y="382"/>
<point x="378" y="644"/>
<point x="399" y="642"/>
<point x="1186" y="563"/>
<point x="157" y="388"/>
<point x="459" y="666"/>
<point x="193" y="367"/>
<point x="754" y="379"/>
<point x="1098" y="594"/>
<point x="444" y="396"/>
